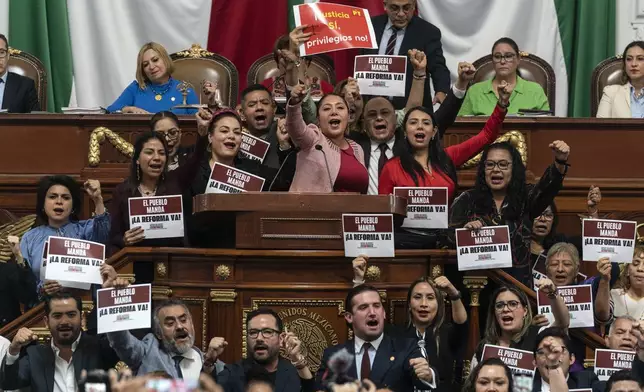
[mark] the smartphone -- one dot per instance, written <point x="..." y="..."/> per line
<point x="166" y="385"/>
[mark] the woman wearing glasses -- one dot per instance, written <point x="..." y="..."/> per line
<point x="501" y="197"/>
<point x="481" y="98"/>
<point x="167" y="124"/>
<point x="509" y="318"/>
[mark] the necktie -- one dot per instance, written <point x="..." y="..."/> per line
<point x="177" y="365"/>
<point x="365" y="365"/>
<point x="383" y="157"/>
<point x="391" y="44"/>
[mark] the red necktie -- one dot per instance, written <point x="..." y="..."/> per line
<point x="365" y="366"/>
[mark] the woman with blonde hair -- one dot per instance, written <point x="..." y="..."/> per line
<point x="154" y="89"/>
<point x="628" y="298"/>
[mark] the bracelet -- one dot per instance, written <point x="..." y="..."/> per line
<point x="419" y="77"/>
<point x="562" y="162"/>
<point x="502" y="105"/>
<point x="301" y="362"/>
<point x="455" y="297"/>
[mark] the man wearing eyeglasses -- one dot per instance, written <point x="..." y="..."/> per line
<point x="552" y="358"/>
<point x="400" y="30"/>
<point x="17" y="93"/>
<point x="265" y="337"/>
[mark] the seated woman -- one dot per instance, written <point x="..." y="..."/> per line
<point x="327" y="160"/>
<point x="628" y="298"/>
<point x="626" y="100"/>
<point x="490" y="375"/>
<point x="502" y="197"/>
<point x="167" y="124"/>
<point x="154" y="89"/>
<point x="427" y="321"/>
<point x="482" y="96"/>
<point x="58" y="203"/>
<point x="509" y="318"/>
<point x="149" y="177"/>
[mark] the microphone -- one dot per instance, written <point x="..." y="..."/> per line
<point x="319" y="148"/>
<point x="279" y="170"/>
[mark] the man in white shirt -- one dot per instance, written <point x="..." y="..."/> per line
<point x="56" y="366"/>
<point x="396" y="364"/>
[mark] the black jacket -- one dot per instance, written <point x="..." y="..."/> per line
<point x="391" y="368"/>
<point x="233" y="377"/>
<point x="20" y="94"/>
<point x="584" y="379"/>
<point x="17" y="286"/>
<point x="424" y="36"/>
<point x="35" y="367"/>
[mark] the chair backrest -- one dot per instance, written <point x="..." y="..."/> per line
<point x="266" y="67"/>
<point x="28" y="65"/>
<point x="531" y="67"/>
<point x="196" y="64"/>
<point x="606" y="73"/>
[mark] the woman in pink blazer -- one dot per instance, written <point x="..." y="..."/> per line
<point x="327" y="160"/>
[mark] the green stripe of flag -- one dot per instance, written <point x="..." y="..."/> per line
<point x="40" y="27"/>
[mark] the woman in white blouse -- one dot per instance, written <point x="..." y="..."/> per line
<point x="628" y="299"/>
<point x="626" y="100"/>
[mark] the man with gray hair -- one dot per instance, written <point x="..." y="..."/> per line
<point x="170" y="347"/>
<point x="621" y="334"/>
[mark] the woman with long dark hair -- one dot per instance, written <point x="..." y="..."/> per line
<point x="490" y="375"/>
<point x="625" y="100"/>
<point x="501" y="197"/>
<point x="444" y="341"/>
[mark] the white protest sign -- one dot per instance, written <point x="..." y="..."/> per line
<point x="227" y="179"/>
<point x="43" y="272"/>
<point x="486" y="248"/>
<point x="381" y="75"/>
<point x="159" y="216"/>
<point x="539" y="271"/>
<point x="426" y="207"/>
<point x="74" y="260"/>
<point x="608" y="362"/>
<point x="579" y="300"/>
<point x="123" y="309"/>
<point x="612" y="238"/>
<point x="519" y="361"/>
<point x="371" y="235"/>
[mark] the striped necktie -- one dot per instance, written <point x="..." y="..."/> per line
<point x="391" y="45"/>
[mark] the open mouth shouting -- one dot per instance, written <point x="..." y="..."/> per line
<point x="507" y="320"/>
<point x="540" y="228"/>
<point x="372" y="324"/>
<point x="335" y="123"/>
<point x="561" y="279"/>
<point x="155" y="167"/>
<point x="420" y="137"/>
<point x="230" y="145"/>
<point x="182" y="337"/>
<point x="261" y="349"/>
<point x="65" y="331"/>
<point x="423" y="314"/>
<point x="59" y="210"/>
<point x="261" y="120"/>
<point x="496" y="179"/>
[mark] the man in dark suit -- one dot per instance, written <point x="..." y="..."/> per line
<point x="265" y="338"/>
<point x="17" y="93"/>
<point x="391" y="363"/>
<point x="398" y="31"/>
<point x="552" y="357"/>
<point x="57" y="366"/>
<point x="381" y="120"/>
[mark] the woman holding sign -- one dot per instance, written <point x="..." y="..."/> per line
<point x="628" y="298"/>
<point x="149" y="178"/>
<point x="58" y="204"/>
<point x="327" y="160"/>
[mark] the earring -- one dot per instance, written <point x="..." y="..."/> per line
<point x="138" y="173"/>
<point x="209" y="149"/>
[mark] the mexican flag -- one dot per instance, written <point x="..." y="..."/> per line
<point x="89" y="47"/>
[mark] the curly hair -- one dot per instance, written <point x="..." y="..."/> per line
<point x="438" y="158"/>
<point x="516" y="193"/>
<point x="41" y="195"/>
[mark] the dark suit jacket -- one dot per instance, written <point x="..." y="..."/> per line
<point x="20" y="94"/>
<point x="390" y="368"/>
<point x="424" y="36"/>
<point x="577" y="380"/>
<point x="445" y="117"/>
<point x="35" y="368"/>
<point x="233" y="377"/>
<point x="17" y="286"/>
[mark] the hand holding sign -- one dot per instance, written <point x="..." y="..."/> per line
<point x="418" y="61"/>
<point x="23" y="338"/>
<point x="505" y="91"/>
<point x="540" y="320"/>
<point x="298" y="94"/>
<point x="133" y="236"/>
<point x="298" y="37"/>
<point x="604" y="267"/>
<point x="359" y="268"/>
<point x="560" y="149"/>
<point x="474" y="225"/>
<point x="51" y="287"/>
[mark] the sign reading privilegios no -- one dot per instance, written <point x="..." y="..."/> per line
<point x="612" y="238"/>
<point x="488" y="247"/>
<point x="426" y="207"/>
<point x="371" y="235"/>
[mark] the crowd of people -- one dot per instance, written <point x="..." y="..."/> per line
<point x="334" y="139"/>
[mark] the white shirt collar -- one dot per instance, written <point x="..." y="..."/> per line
<point x="74" y="345"/>
<point x="390" y="144"/>
<point x="374" y="343"/>
<point x="389" y="25"/>
<point x="191" y="355"/>
<point x="546" y="387"/>
<point x="4" y="77"/>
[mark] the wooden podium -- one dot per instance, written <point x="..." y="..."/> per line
<point x="277" y="220"/>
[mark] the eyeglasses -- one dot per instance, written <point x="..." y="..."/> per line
<point x="547" y="216"/>
<point x="512" y="305"/>
<point x="502" y="164"/>
<point x="3" y="53"/>
<point x="267" y="333"/>
<point x="171" y="133"/>
<point x="541" y="353"/>
<point x="508" y="57"/>
<point x="407" y="8"/>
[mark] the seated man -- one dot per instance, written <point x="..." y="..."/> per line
<point x="171" y="347"/>
<point x="395" y="363"/>
<point x="56" y="366"/>
<point x="624" y="381"/>
<point x="265" y="338"/>
<point x="17" y="92"/>
<point x="553" y="358"/>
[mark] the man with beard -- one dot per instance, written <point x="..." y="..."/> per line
<point x="170" y="347"/>
<point x="56" y="366"/>
<point x="396" y="364"/>
<point x="265" y="338"/>
<point x="258" y="112"/>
